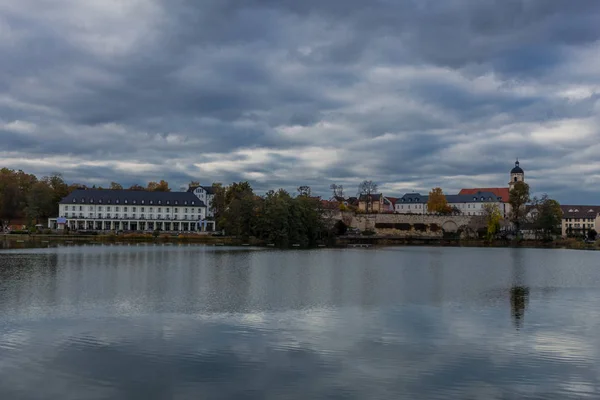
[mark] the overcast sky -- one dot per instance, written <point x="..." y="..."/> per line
<point x="411" y="94"/>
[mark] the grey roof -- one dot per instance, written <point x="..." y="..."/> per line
<point x="374" y="196"/>
<point x="97" y="196"/>
<point x="478" y="197"/>
<point x="579" y="211"/>
<point x="413" y="198"/>
<point x="207" y="189"/>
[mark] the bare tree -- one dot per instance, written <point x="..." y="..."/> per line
<point x="367" y="189"/>
<point x="338" y="190"/>
<point x="304" y="191"/>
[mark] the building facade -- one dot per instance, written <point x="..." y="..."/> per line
<point x="516" y="175"/>
<point x="577" y="220"/>
<point x="374" y="204"/>
<point x="206" y="195"/>
<point x="127" y="210"/>
<point x="466" y="204"/>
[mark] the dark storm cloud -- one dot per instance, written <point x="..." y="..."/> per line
<point x="283" y="93"/>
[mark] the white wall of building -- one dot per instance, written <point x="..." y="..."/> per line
<point x="132" y="211"/>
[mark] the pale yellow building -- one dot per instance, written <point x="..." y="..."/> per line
<point x="577" y="220"/>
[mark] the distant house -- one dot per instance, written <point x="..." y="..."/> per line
<point x="411" y="203"/>
<point x="373" y="203"/>
<point x="389" y="204"/>
<point x="577" y="220"/>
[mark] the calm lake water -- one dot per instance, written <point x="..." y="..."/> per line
<point x="196" y="322"/>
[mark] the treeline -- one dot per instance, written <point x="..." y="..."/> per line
<point x="277" y="217"/>
<point x="31" y="200"/>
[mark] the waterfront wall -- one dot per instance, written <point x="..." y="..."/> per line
<point x="413" y="225"/>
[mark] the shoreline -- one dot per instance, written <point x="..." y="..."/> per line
<point x="38" y="240"/>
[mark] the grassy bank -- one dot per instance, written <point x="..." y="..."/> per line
<point x="571" y="243"/>
<point x="34" y="240"/>
<point x="125" y="238"/>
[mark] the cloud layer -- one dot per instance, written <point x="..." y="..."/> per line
<point x="411" y="94"/>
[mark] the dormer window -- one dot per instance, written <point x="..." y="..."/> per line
<point x="91" y="200"/>
<point x="117" y="201"/>
<point x="135" y="201"/>
<point x="176" y="202"/>
<point x="571" y="210"/>
<point x="576" y="210"/>
<point x="151" y="202"/>
<point x="474" y="198"/>
<point x="168" y="202"/>
<point x="108" y="201"/>
<point x="591" y="210"/>
<point x="100" y="201"/>
<point x="482" y="199"/>
<point x="83" y="200"/>
<point x="125" y="201"/>
<point x="159" y="202"/>
<point x="185" y="203"/>
<point x="193" y="202"/>
<point x="74" y="200"/>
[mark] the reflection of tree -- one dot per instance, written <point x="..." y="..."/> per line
<point x="519" y="298"/>
<point x="519" y="292"/>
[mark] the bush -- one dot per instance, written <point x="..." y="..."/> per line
<point x="592" y="234"/>
<point x="340" y="228"/>
<point x="368" y="232"/>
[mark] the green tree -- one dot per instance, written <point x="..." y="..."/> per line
<point x="40" y="202"/>
<point x="235" y="209"/>
<point x="547" y="216"/>
<point x="493" y="217"/>
<point x="437" y="202"/>
<point x="304" y="191"/>
<point x="518" y="199"/>
<point x="115" y="186"/>
<point x="14" y="188"/>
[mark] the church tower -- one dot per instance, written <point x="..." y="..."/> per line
<point x="516" y="175"/>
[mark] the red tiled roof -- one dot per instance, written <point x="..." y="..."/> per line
<point x="502" y="192"/>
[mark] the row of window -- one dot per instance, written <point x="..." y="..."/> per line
<point x="580" y="225"/>
<point x="125" y="216"/>
<point x="419" y="206"/>
<point x="417" y="200"/>
<point x="578" y="219"/>
<point x="168" y="202"/>
<point x="134" y="209"/>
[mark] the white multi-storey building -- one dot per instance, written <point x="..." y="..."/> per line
<point x="205" y="194"/>
<point x="471" y="204"/>
<point x="128" y="210"/>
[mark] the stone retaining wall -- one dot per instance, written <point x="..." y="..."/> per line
<point x="413" y="225"/>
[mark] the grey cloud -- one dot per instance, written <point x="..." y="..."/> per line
<point x="207" y="80"/>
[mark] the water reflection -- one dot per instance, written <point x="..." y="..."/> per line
<point x="141" y="322"/>
<point x="519" y="293"/>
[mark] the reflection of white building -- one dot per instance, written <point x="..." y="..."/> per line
<point x="129" y="210"/>
<point x="206" y="195"/>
